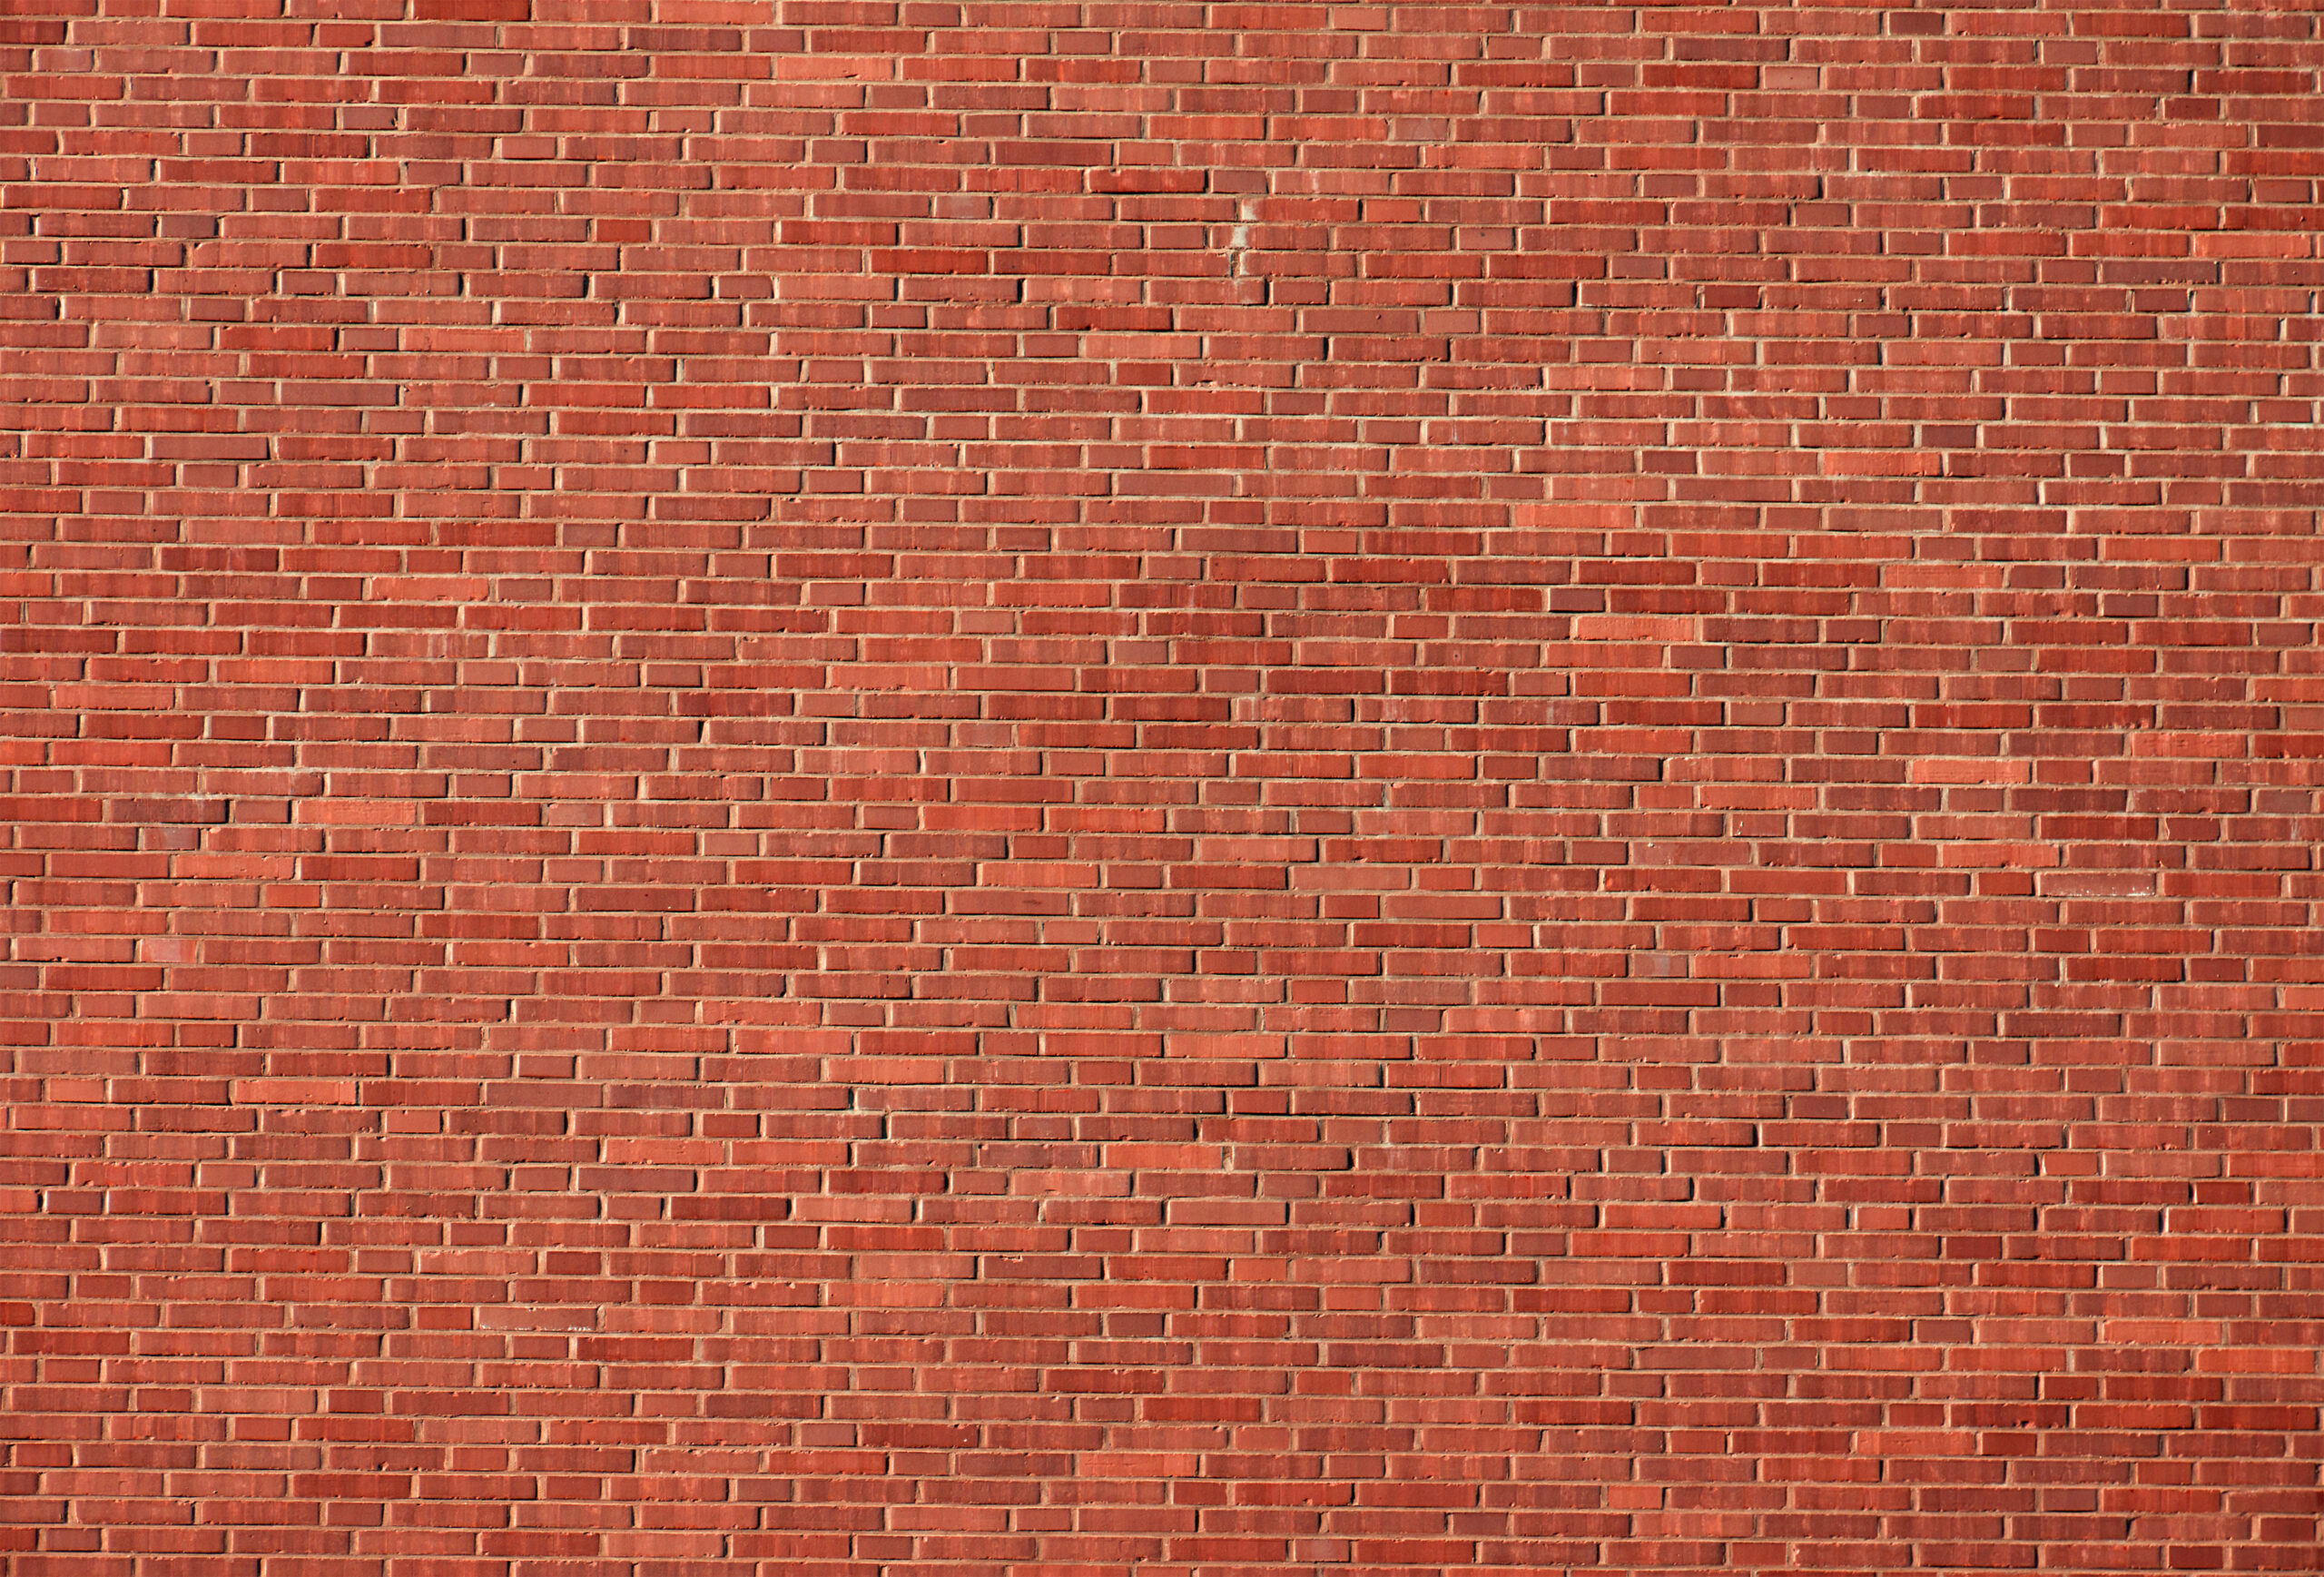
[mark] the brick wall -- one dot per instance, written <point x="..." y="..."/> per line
<point x="967" y="789"/>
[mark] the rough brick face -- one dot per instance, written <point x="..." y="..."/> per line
<point x="947" y="790"/>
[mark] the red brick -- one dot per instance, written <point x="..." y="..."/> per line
<point x="898" y="787"/>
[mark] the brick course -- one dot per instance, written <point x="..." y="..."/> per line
<point x="948" y="790"/>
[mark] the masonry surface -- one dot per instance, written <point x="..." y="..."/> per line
<point x="1190" y="790"/>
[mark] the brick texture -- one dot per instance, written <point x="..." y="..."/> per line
<point x="955" y="790"/>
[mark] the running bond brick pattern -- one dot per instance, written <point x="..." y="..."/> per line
<point x="954" y="789"/>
